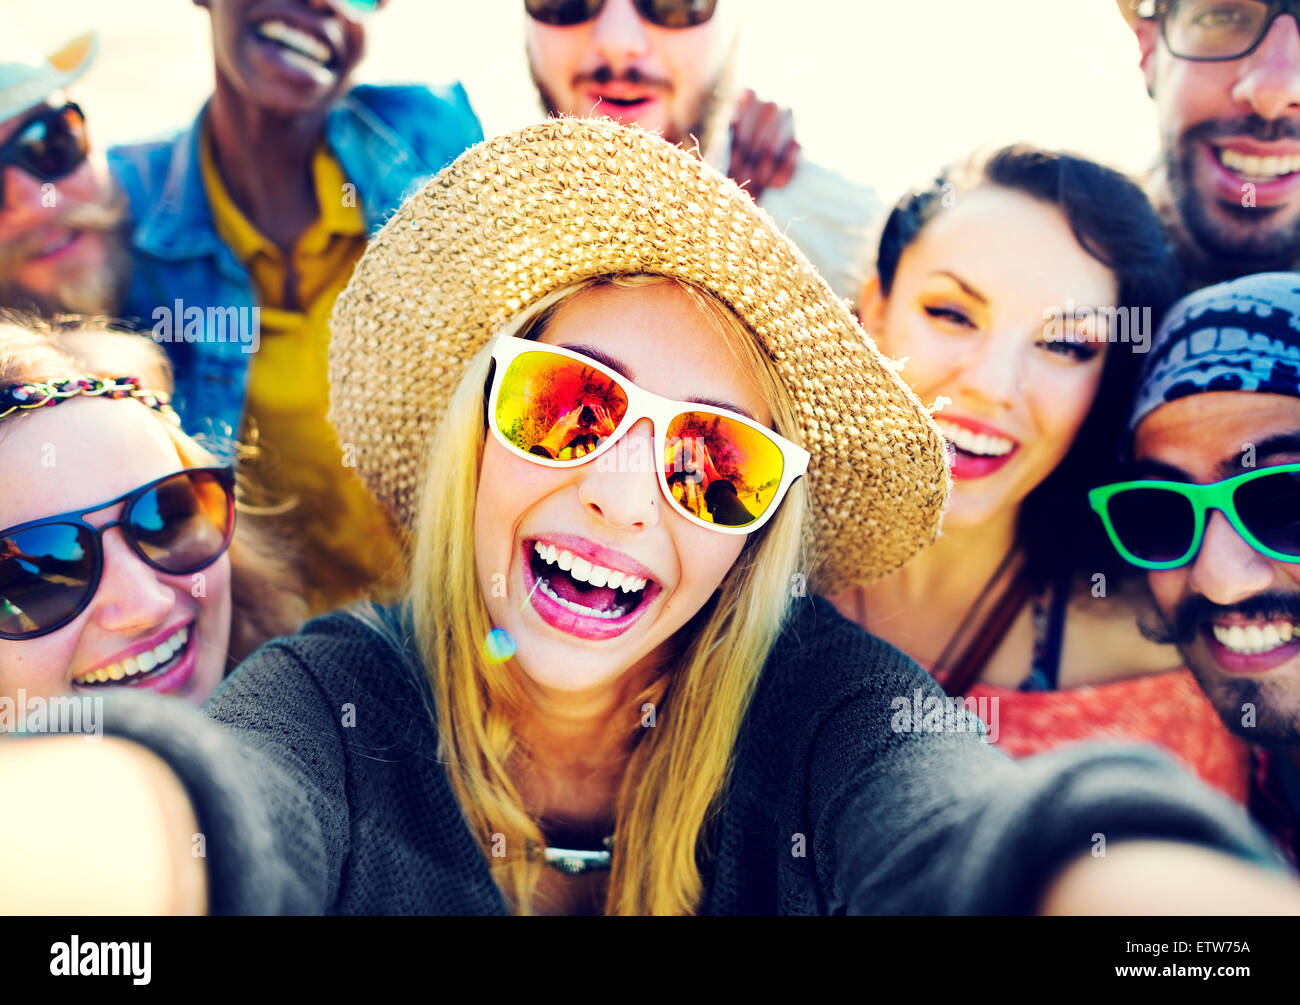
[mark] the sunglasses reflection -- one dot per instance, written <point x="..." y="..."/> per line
<point x="694" y="479"/>
<point x="576" y="433"/>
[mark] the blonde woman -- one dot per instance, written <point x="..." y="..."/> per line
<point x="597" y="697"/>
<point x="171" y="599"/>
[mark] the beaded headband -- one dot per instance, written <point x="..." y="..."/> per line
<point x="27" y="395"/>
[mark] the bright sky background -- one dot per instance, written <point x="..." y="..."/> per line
<point x="886" y="91"/>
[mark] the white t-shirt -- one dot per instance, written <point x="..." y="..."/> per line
<point x="830" y="218"/>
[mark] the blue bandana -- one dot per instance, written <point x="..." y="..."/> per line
<point x="1242" y="335"/>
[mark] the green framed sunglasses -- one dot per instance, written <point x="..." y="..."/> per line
<point x="1160" y="525"/>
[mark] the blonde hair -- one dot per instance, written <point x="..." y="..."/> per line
<point x="678" y="771"/>
<point x="265" y="591"/>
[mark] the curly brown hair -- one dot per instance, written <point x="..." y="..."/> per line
<point x="266" y="592"/>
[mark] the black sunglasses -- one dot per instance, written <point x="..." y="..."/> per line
<point x="50" y="568"/>
<point x="1214" y="31"/>
<point x="48" y="145"/>
<point x="664" y="13"/>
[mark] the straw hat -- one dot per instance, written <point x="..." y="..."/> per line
<point x="27" y="79"/>
<point x="520" y="216"/>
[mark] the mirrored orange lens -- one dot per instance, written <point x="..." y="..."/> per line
<point x="720" y="470"/>
<point x="557" y="408"/>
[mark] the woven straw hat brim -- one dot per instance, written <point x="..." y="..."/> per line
<point x="520" y="216"/>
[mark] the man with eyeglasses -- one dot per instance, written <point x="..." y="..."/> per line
<point x="666" y="65"/>
<point x="1212" y="514"/>
<point x="1225" y="76"/>
<point x="61" y="245"/>
<point x="248" y="224"/>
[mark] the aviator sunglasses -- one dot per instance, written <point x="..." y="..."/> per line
<point x="50" y="568"/>
<point x="49" y="145"/>
<point x="1160" y="525"/>
<point x="663" y="13"/>
<point x="717" y="468"/>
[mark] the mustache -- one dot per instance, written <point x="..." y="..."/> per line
<point x="1195" y="612"/>
<point x="1245" y="126"/>
<point x="94" y="216"/>
<point x="631" y="76"/>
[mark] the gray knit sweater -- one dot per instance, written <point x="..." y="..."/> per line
<point x="318" y="789"/>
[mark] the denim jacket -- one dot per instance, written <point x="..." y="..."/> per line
<point x="186" y="285"/>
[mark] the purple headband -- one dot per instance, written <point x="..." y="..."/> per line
<point x="28" y="395"/>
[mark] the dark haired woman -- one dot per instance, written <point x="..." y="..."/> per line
<point x="1023" y="289"/>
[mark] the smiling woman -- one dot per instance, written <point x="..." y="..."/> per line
<point x="722" y="744"/>
<point x="1022" y="290"/>
<point x="120" y="565"/>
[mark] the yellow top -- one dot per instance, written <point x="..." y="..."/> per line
<point x="347" y="542"/>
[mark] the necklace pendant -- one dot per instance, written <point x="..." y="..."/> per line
<point x="576" y="861"/>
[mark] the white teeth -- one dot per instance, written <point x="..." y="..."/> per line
<point x="295" y="40"/>
<point x="140" y="663"/>
<point x="982" y="444"/>
<point x="585" y="572"/>
<point x="1253" y="639"/>
<point x="1259" y="168"/>
<point x="610" y="615"/>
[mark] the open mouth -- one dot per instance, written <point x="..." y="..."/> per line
<point x="975" y="453"/>
<point x="592" y="591"/>
<point x="1254" y="646"/>
<point x="606" y="99"/>
<point x="51" y="244"/>
<point x="296" y="47"/>
<point x="621" y="95"/>
<point x="1260" y="170"/>
<point x="575" y="594"/>
<point x="975" y="444"/>
<point x="142" y="668"/>
<point x="1255" y="638"/>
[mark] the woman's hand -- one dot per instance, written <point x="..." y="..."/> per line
<point x="1168" y="878"/>
<point x="95" y="827"/>
<point x="764" y="153"/>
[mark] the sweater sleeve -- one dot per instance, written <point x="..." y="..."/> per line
<point x="266" y="779"/>
<point x="926" y="817"/>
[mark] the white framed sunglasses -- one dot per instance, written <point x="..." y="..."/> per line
<point x="717" y="468"/>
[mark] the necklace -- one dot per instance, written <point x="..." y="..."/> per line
<point x="576" y="861"/>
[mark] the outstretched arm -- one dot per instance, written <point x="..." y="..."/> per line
<point x="914" y="813"/>
<point x="248" y="815"/>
